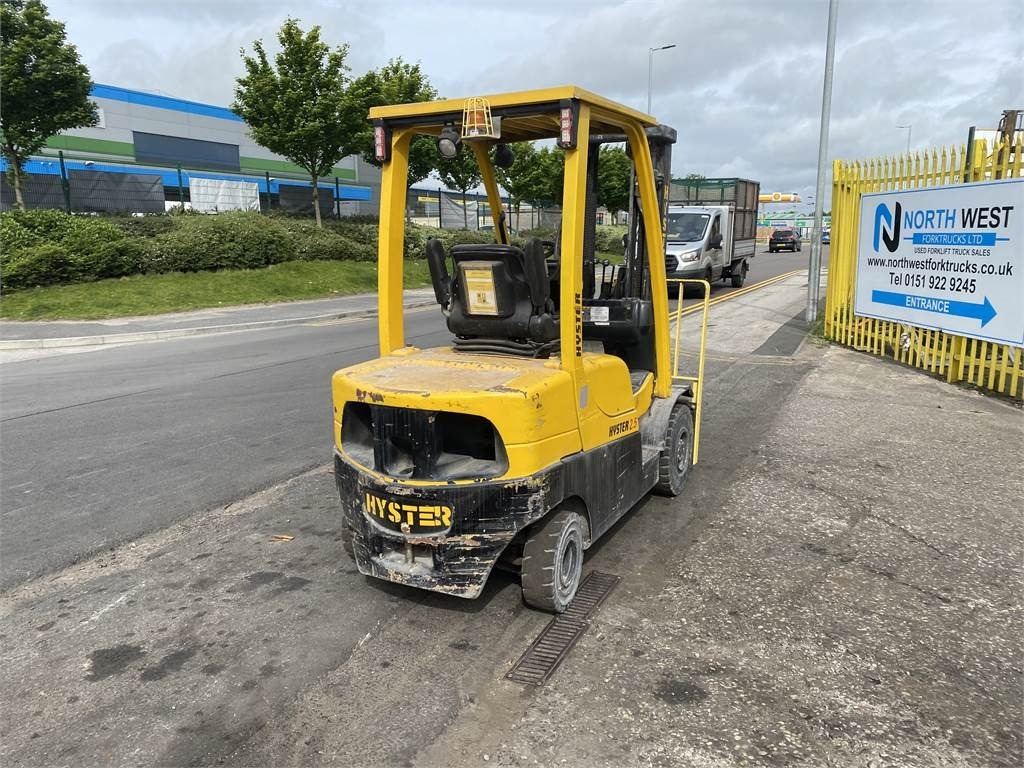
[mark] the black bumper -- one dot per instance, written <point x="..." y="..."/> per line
<point x="468" y="526"/>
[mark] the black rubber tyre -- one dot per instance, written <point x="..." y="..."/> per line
<point x="676" y="452"/>
<point x="553" y="562"/>
<point x="771" y="250"/>
<point x="739" y="276"/>
<point x="346" y="538"/>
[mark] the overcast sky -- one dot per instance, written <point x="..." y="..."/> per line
<point x="743" y="86"/>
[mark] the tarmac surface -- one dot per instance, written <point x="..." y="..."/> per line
<point x="840" y="585"/>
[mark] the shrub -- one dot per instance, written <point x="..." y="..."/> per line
<point x="49" y="225"/>
<point x="43" y="264"/>
<point x="86" y="235"/>
<point x="236" y="240"/>
<point x="325" y="245"/>
<point x="14" y="235"/>
<point x="609" y="238"/>
<point x="361" y="231"/>
<point x="541" y="233"/>
<point x="146" y="226"/>
<point x="118" y="258"/>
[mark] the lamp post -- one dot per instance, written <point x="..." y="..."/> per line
<point x="814" y="263"/>
<point x="650" y="70"/>
<point x="908" y="127"/>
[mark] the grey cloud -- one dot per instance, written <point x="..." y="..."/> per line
<point x="743" y="85"/>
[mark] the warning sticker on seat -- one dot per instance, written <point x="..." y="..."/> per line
<point x="480" y="295"/>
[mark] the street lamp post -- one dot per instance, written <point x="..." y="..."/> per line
<point x="814" y="263"/>
<point x="908" y="127"/>
<point x="650" y="71"/>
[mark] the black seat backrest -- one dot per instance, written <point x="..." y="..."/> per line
<point x="496" y="292"/>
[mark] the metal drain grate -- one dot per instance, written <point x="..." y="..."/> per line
<point x="555" y="641"/>
<point x="594" y="588"/>
<point x="551" y="646"/>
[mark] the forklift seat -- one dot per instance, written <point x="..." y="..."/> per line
<point x="498" y="299"/>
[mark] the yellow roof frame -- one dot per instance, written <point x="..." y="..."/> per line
<point x="427" y="109"/>
<point x="596" y="116"/>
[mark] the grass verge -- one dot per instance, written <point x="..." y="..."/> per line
<point x="181" y="291"/>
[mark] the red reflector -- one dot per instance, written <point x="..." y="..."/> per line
<point x="566" y="122"/>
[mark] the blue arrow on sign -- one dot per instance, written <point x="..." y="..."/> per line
<point x="984" y="311"/>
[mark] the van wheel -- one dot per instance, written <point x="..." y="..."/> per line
<point x="553" y="562"/>
<point x="739" y="275"/>
<point x="676" y="452"/>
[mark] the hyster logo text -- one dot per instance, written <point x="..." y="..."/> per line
<point x="887" y="226"/>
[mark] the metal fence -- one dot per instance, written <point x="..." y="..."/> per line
<point x="454" y="210"/>
<point x="987" y="365"/>
<point x="106" y="188"/>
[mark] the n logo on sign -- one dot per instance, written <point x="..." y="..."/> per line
<point x="886" y="227"/>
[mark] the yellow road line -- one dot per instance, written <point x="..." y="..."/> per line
<point x="733" y="294"/>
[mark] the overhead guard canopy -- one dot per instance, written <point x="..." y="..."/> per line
<point x="525" y="115"/>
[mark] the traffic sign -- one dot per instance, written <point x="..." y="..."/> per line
<point x="949" y="258"/>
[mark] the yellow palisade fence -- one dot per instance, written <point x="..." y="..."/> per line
<point x="995" y="367"/>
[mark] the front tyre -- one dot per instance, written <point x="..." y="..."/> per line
<point x="676" y="452"/>
<point x="553" y="562"/>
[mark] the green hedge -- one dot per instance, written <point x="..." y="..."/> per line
<point x="47" y="247"/>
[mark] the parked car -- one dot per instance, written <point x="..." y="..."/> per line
<point x="826" y="236"/>
<point x="784" y="240"/>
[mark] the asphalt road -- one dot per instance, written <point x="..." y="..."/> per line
<point x="102" y="447"/>
<point x="790" y="608"/>
<point x="266" y="651"/>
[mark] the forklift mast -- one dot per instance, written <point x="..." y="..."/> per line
<point x="634" y="277"/>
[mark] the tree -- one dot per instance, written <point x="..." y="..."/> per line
<point x="518" y="179"/>
<point x="552" y="174"/>
<point x="45" y="85"/>
<point x="397" y="82"/>
<point x="300" y="106"/>
<point x="461" y="173"/>
<point x="613" y="168"/>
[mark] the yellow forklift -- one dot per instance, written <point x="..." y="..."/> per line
<point x="553" y="410"/>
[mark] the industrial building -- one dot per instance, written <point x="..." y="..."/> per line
<point x="149" y="151"/>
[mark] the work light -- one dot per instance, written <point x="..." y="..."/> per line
<point x="448" y="142"/>
<point x="503" y="157"/>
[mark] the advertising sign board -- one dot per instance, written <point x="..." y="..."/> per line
<point x="949" y="258"/>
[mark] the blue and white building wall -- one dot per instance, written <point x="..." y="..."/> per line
<point x="146" y="133"/>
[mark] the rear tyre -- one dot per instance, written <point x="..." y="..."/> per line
<point x="739" y="275"/>
<point x="553" y="562"/>
<point x="676" y="452"/>
<point x="346" y="538"/>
